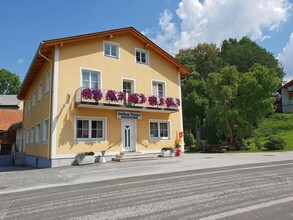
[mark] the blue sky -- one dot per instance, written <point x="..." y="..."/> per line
<point x="172" y="24"/>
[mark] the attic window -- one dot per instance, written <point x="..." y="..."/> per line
<point x="111" y="49"/>
<point x="141" y="56"/>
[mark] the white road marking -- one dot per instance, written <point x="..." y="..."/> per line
<point x="247" y="209"/>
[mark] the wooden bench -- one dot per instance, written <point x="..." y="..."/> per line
<point x="214" y="148"/>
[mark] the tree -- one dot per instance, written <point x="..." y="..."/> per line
<point x="202" y="60"/>
<point x="9" y="83"/>
<point x="230" y="90"/>
<point x="240" y="101"/>
<point x="245" y="54"/>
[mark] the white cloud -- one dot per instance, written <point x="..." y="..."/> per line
<point x="286" y="58"/>
<point x="214" y="21"/>
<point x="20" y="61"/>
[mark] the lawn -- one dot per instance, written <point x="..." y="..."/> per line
<point x="279" y="124"/>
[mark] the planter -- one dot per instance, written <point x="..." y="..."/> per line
<point x="86" y="160"/>
<point x="167" y="153"/>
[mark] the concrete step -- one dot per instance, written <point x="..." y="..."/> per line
<point x="19" y="159"/>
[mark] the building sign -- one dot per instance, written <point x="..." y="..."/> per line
<point x="128" y="115"/>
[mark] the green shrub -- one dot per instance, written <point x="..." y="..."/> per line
<point x="168" y="148"/>
<point x="89" y="153"/>
<point x="189" y="139"/>
<point x="258" y="145"/>
<point x="83" y="154"/>
<point x="275" y="143"/>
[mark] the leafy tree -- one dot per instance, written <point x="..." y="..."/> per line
<point x="229" y="91"/>
<point x="202" y="60"/>
<point x="9" y="83"/>
<point x="245" y="54"/>
<point x="240" y="101"/>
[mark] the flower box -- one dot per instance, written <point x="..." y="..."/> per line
<point x="167" y="152"/>
<point x="85" y="158"/>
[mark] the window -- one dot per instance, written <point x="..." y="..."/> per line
<point x="38" y="132"/>
<point x="128" y="86"/>
<point x="40" y="91"/>
<point x="90" y="79"/>
<point x="159" y="89"/>
<point x="46" y="130"/>
<point x="27" y="136"/>
<point x="29" y="104"/>
<point x="25" y="107"/>
<point x="159" y="130"/>
<point x="142" y="56"/>
<point x="47" y="86"/>
<point x="32" y="135"/>
<point x="34" y="99"/>
<point x="111" y="49"/>
<point x="90" y="129"/>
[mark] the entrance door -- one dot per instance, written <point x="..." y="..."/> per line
<point x="128" y="135"/>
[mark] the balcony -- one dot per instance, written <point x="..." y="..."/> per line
<point x="119" y="100"/>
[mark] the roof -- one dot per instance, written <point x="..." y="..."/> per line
<point x="286" y="85"/>
<point x="9" y="100"/>
<point x="9" y="117"/>
<point x="47" y="46"/>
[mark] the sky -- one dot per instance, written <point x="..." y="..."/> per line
<point x="171" y="24"/>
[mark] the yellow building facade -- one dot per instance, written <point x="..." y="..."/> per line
<point x="113" y="91"/>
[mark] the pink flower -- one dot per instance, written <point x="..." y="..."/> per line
<point x="97" y="94"/>
<point x="86" y="93"/>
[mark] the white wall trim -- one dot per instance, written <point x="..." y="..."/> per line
<point x="53" y="125"/>
<point x="180" y="111"/>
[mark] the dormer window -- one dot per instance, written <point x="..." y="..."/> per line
<point x="111" y="49"/>
<point x="142" y="56"/>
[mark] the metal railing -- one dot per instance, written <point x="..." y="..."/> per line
<point x="112" y="97"/>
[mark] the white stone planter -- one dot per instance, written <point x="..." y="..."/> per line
<point x="86" y="160"/>
<point x="167" y="153"/>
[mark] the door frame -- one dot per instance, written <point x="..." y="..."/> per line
<point x="122" y="134"/>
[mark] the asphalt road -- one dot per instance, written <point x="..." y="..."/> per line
<point x="262" y="191"/>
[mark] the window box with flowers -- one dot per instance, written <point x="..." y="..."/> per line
<point x="172" y="102"/>
<point x="86" y="93"/>
<point x="156" y="101"/>
<point x="135" y="98"/>
<point x="114" y="96"/>
<point x="97" y="94"/>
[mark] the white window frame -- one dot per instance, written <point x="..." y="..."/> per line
<point x="142" y="51"/>
<point x="40" y="90"/>
<point x="32" y="135"/>
<point x="99" y="72"/>
<point x="47" y="83"/>
<point x="160" y="121"/>
<point x="27" y="136"/>
<point x="38" y="133"/>
<point x="157" y="92"/>
<point x="34" y="99"/>
<point x="45" y="135"/>
<point x="90" y="119"/>
<point x="25" y="106"/>
<point x="112" y="44"/>
<point x="132" y="81"/>
<point x="29" y="104"/>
